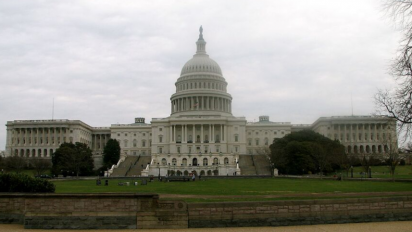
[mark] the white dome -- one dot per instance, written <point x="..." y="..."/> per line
<point x="201" y="63"/>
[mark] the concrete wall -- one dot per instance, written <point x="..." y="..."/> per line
<point x="145" y="211"/>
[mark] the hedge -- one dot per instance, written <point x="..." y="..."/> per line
<point x="24" y="183"/>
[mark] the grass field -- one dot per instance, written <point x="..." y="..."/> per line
<point x="239" y="189"/>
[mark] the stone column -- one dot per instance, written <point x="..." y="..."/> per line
<point x="213" y="103"/>
<point x="185" y="137"/>
<point x="221" y="134"/>
<point x="201" y="133"/>
<point x="174" y="133"/>
<point x="210" y="133"/>
<point x="339" y="132"/>
<point x="345" y="132"/>
<point x="224" y="132"/>
<point x="170" y="133"/>
<point x="194" y="134"/>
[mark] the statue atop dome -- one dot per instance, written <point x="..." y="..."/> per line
<point x="201" y="33"/>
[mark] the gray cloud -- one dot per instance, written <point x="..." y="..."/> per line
<point x="110" y="61"/>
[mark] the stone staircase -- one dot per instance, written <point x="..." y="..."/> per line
<point x="254" y="165"/>
<point x="124" y="166"/>
<point x="262" y="164"/>
<point x="246" y="165"/>
<point x="139" y="165"/>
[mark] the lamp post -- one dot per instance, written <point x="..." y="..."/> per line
<point x="158" y="166"/>
<point x="351" y="171"/>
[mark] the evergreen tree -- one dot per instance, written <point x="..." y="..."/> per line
<point x="73" y="158"/>
<point x="111" y="153"/>
<point x="306" y="151"/>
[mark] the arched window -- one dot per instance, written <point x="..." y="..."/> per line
<point x="226" y="160"/>
<point x="134" y="143"/>
<point x="174" y="161"/>
<point x="164" y="162"/>
<point x="184" y="162"/>
<point x="205" y="162"/>
<point x="215" y="161"/>
<point x="194" y="162"/>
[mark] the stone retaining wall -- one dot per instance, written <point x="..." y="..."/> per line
<point x="90" y="211"/>
<point x="304" y="212"/>
<point x="145" y="211"/>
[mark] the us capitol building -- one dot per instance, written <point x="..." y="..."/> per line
<point x="201" y="134"/>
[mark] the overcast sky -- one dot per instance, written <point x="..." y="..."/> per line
<point x="107" y="62"/>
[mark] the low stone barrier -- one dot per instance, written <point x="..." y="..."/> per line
<point x="301" y="212"/>
<point x="146" y="211"/>
<point x="91" y="211"/>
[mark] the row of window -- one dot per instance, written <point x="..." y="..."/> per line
<point x="198" y="150"/>
<point x="134" y="134"/>
<point x="257" y="142"/>
<point x="275" y="133"/>
<point x="24" y="141"/>
<point x="205" y="162"/>
<point x="359" y="127"/>
<point x="33" y="153"/>
<point x="360" y="137"/>
<point x="201" y="85"/>
<point x="45" y="131"/>
<point x="135" y="142"/>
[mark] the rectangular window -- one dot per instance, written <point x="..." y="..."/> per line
<point x="236" y="138"/>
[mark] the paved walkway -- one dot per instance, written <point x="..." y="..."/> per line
<point x="362" y="227"/>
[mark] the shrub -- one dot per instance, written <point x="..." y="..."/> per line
<point x="24" y="183"/>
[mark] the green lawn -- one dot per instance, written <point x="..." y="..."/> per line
<point x="279" y="188"/>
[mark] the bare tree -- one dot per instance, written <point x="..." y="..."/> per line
<point x="40" y="165"/>
<point x="398" y="102"/>
<point x="15" y="163"/>
<point x="391" y="153"/>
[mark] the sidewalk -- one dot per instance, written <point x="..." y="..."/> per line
<point x="405" y="226"/>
